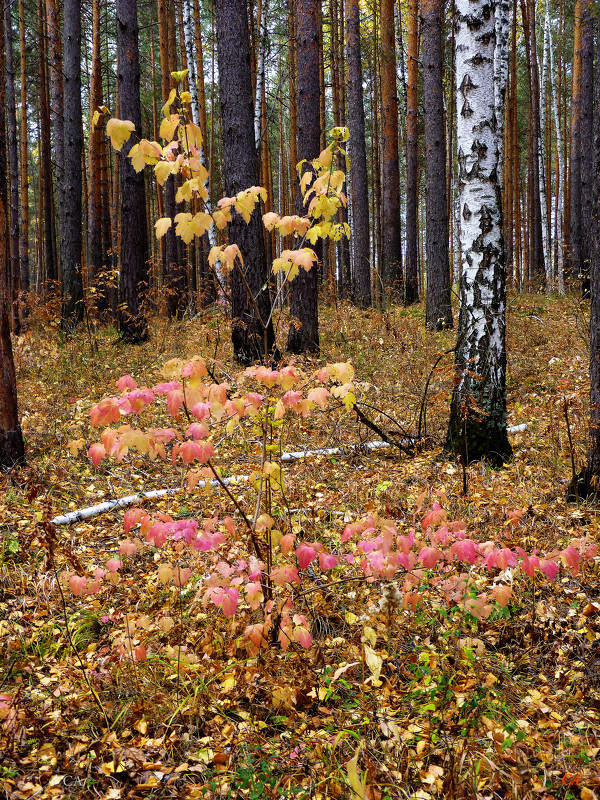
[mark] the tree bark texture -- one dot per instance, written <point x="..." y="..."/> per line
<point x="252" y="335"/>
<point x="304" y="329"/>
<point x="358" y="154"/>
<point x="588" y="483"/>
<point x="134" y="232"/>
<point x="391" y="245"/>
<point x="438" y="313"/>
<point x="12" y="449"/>
<point x="71" y="221"/>
<point x="477" y="427"/>
<point x="48" y="253"/>
<point x="24" y="228"/>
<point x="412" y="156"/>
<point x="13" y="167"/>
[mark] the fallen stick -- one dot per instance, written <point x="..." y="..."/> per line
<point x="92" y="511"/>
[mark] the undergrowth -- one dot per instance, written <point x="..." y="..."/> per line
<point x="461" y="707"/>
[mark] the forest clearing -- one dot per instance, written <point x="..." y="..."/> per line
<point x="143" y="690"/>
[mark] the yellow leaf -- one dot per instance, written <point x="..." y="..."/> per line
<point x="162" y="171"/>
<point x="179" y="76"/>
<point x="168" y="127"/>
<point x="202" y="223"/>
<point x="186" y="97"/>
<point x="270" y="220"/>
<point x="119" y="131"/>
<point x="358" y="784"/>
<point x="221" y="218"/>
<point x="166" y="109"/>
<point x="190" y="136"/>
<point x="343" y="134"/>
<point x="325" y="157"/>
<point x="138" y="162"/>
<point x="374" y="663"/>
<point x="95" y="118"/>
<point x="161" y="226"/>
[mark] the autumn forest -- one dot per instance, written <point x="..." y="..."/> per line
<point x="299" y="399"/>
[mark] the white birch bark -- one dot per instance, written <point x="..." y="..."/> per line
<point x="546" y="244"/>
<point x="502" y="30"/>
<point x="477" y="426"/>
<point x="190" y="56"/>
<point x="558" y="222"/>
<point x="260" y="72"/>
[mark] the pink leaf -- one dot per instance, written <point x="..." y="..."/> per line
<point x="549" y="568"/>
<point x="302" y="636"/>
<point x="96" y="453"/>
<point x="77" y="584"/>
<point x="254" y="595"/>
<point x="132" y="517"/>
<point x="127" y="547"/>
<point x="197" y="430"/>
<point x="126" y="382"/>
<point x="571" y="559"/>
<point x="429" y="557"/>
<point x="305" y="553"/>
<point x="327" y="561"/>
<point x="501" y="594"/>
<point x="465" y="550"/>
<point x="114" y="564"/>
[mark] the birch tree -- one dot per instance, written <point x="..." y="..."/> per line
<point x="560" y="204"/>
<point x="477" y="427"/>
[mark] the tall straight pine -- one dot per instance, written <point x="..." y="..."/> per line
<point x="477" y="427"/>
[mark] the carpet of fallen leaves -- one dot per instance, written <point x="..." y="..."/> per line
<point x="504" y="708"/>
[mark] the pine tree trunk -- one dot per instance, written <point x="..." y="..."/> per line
<point x="24" y="229"/>
<point x="252" y="335"/>
<point x="304" y="330"/>
<point x="134" y="249"/>
<point x="588" y="483"/>
<point x="575" y="233"/>
<point x="13" y="167"/>
<point x="586" y="138"/>
<point x="71" y="223"/>
<point x="412" y="155"/>
<point x="48" y="262"/>
<point x="438" y="298"/>
<point x="391" y="245"/>
<point x="12" y="448"/>
<point x="95" y="258"/>
<point x="477" y="427"/>
<point x="358" y="155"/>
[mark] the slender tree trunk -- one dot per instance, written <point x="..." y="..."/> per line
<point x="252" y="333"/>
<point x="536" y="251"/>
<point x="576" y="268"/>
<point x="71" y="230"/>
<point x="24" y="229"/>
<point x="134" y="249"/>
<point x="477" y="427"/>
<point x="50" y="267"/>
<point x="95" y="256"/>
<point x="588" y="483"/>
<point x="12" y="448"/>
<point x="304" y="330"/>
<point x="13" y="167"/>
<point x="358" y="155"/>
<point x="55" y="74"/>
<point x="391" y="255"/>
<point x="586" y="139"/>
<point x="412" y="155"/>
<point x="438" y="298"/>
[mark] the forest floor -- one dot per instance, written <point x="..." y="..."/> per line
<point x="443" y="704"/>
